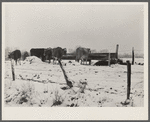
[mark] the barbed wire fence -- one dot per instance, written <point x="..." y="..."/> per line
<point x="127" y="53"/>
<point x="36" y="78"/>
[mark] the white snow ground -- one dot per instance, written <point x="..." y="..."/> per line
<point x="39" y="84"/>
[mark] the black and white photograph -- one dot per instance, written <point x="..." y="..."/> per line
<point x="87" y="55"/>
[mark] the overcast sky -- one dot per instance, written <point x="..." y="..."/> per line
<point x="95" y="26"/>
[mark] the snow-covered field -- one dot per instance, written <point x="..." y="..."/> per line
<point x="136" y="60"/>
<point x="41" y="84"/>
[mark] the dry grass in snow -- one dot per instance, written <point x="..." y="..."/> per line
<point x="43" y="85"/>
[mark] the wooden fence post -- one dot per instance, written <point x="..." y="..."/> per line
<point x="117" y="51"/>
<point x="69" y="83"/>
<point x="12" y="68"/>
<point x="132" y="55"/>
<point x="90" y="62"/>
<point x="108" y="59"/>
<point x="128" y="78"/>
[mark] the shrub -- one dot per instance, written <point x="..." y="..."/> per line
<point x="58" y="100"/>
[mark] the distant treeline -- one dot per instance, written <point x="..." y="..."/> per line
<point x="122" y="55"/>
<point x="127" y="55"/>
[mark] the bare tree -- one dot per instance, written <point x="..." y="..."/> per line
<point x="93" y="51"/>
<point x="7" y="50"/>
<point x="104" y="51"/>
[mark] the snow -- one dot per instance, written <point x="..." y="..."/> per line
<point x="40" y="84"/>
<point x="31" y="60"/>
